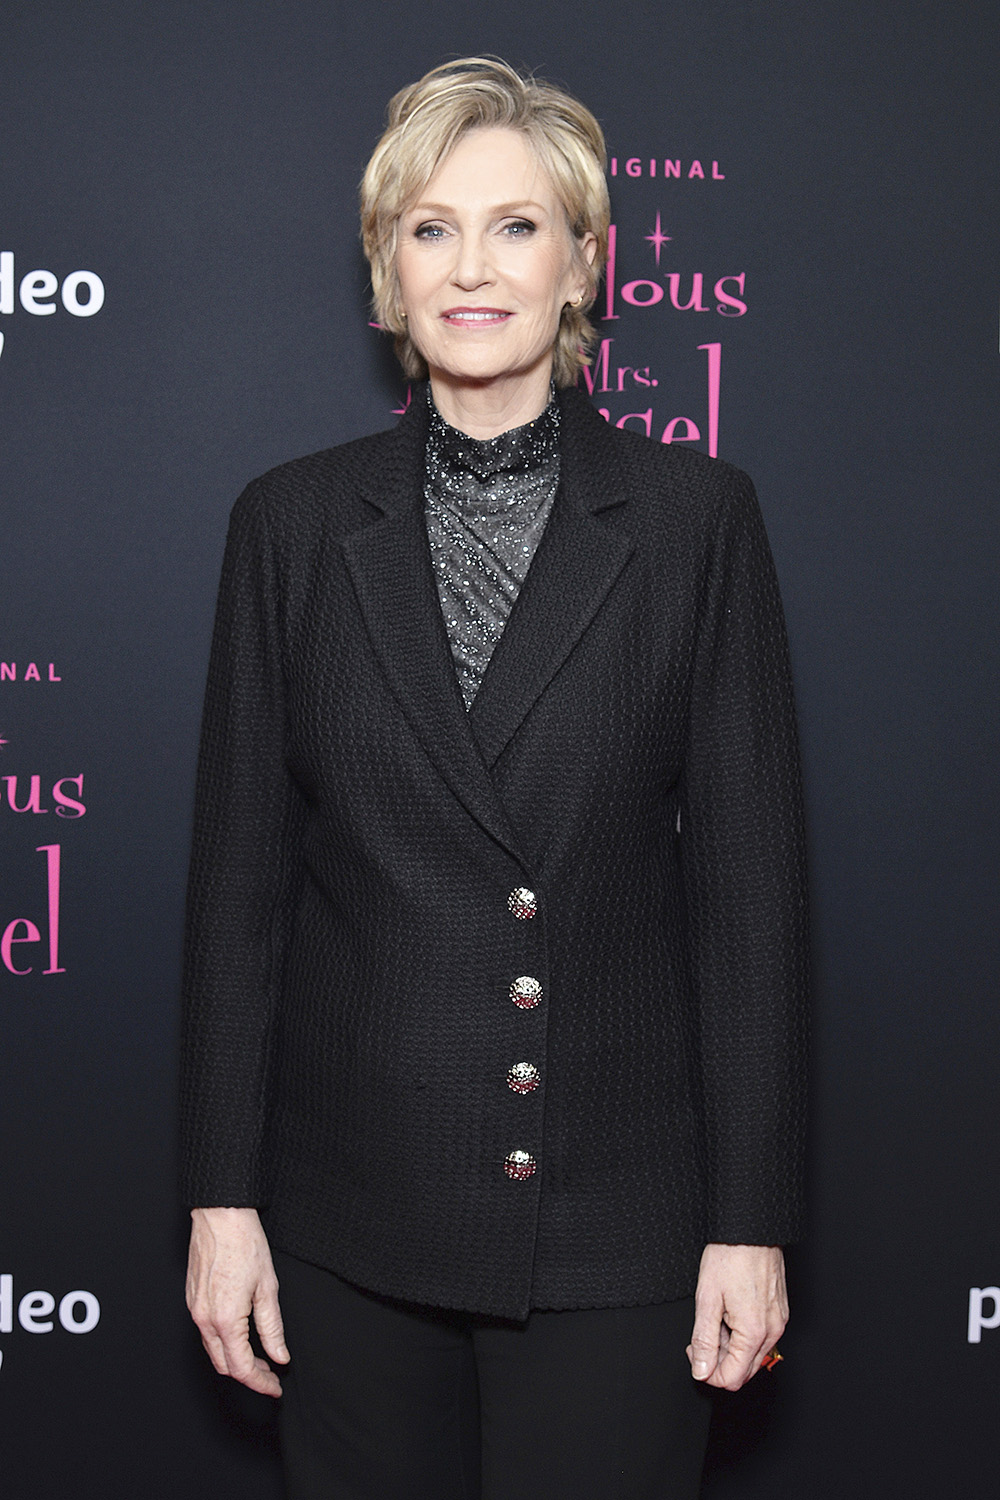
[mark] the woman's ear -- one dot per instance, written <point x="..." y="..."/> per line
<point x="587" y="249"/>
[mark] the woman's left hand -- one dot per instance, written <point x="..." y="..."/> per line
<point x="741" y="1308"/>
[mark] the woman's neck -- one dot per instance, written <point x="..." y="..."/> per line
<point x="487" y="408"/>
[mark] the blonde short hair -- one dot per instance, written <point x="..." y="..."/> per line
<point x="424" y="123"/>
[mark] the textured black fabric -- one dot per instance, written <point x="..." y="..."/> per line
<point x="350" y="946"/>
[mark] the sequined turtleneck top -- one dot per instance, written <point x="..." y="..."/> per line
<point x="486" y="505"/>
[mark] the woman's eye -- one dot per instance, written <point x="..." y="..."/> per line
<point x="519" y="228"/>
<point x="428" y="232"/>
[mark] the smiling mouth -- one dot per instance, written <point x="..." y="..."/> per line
<point x="475" y="315"/>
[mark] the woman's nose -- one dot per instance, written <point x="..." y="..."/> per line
<point x="471" y="264"/>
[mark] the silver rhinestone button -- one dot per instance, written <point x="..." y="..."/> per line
<point x="522" y="1078"/>
<point x="525" y="992"/>
<point x="519" y="1166"/>
<point x="522" y="902"/>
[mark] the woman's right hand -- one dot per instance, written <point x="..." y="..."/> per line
<point x="230" y="1276"/>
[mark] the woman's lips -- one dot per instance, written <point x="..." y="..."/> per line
<point x="475" y="317"/>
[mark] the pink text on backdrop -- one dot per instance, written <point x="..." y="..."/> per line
<point x="64" y="806"/>
<point x="8" y="672"/>
<point x="12" y="934"/>
<point x="638" y="166"/>
<point x="599" y="381"/>
<point x="646" y="293"/>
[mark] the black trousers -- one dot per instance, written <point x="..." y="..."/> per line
<point x="386" y="1401"/>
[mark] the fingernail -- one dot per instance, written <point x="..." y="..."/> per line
<point x="699" y="1369"/>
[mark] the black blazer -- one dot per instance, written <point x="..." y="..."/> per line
<point x="630" y="760"/>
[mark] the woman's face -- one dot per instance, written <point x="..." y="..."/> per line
<point x="486" y="263"/>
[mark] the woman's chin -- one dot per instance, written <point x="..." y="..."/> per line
<point x="489" y="368"/>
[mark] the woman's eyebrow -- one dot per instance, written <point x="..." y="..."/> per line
<point x="518" y="205"/>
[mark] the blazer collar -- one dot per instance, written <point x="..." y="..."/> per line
<point x="575" y="566"/>
<point x="590" y="473"/>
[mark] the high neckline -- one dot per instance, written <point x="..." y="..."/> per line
<point x="518" y="450"/>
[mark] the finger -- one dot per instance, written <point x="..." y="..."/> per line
<point x="213" y="1347"/>
<point x="216" y="1336"/>
<point x="238" y="1362"/>
<point x="243" y="1365"/>
<point x="239" y="1355"/>
<point x="770" y="1342"/>
<point x="261" y="1378"/>
<point x="703" y="1350"/>
<point x="270" y="1329"/>
<point x="737" y="1362"/>
<point x="772" y="1338"/>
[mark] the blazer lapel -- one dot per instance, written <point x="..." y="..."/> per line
<point x="391" y="570"/>
<point x="577" y="562"/>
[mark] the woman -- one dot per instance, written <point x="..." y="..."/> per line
<point x="497" y="923"/>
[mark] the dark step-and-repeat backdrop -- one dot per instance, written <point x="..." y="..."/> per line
<point x="804" y="280"/>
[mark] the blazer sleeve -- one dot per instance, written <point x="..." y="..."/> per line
<point x="244" y="878"/>
<point x="742" y="851"/>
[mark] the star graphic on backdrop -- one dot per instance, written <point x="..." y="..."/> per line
<point x="3" y="741"/>
<point x="658" y="239"/>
